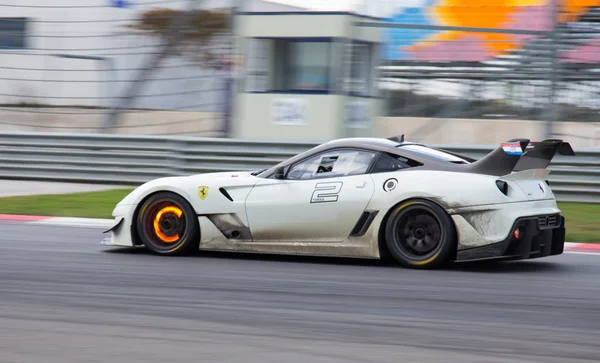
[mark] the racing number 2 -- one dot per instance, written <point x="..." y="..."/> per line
<point x="326" y="192"/>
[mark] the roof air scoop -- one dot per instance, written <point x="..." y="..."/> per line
<point x="400" y="138"/>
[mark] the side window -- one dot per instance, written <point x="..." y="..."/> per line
<point x="386" y="162"/>
<point x="331" y="164"/>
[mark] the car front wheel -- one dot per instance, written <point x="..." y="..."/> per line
<point x="167" y="225"/>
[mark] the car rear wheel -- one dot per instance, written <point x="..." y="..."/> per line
<point x="420" y="234"/>
<point x="167" y="225"/>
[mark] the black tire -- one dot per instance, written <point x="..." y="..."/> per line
<point x="167" y="225"/>
<point x="420" y="234"/>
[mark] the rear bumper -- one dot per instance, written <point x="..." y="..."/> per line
<point x="534" y="242"/>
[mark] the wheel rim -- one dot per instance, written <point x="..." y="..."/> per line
<point x="418" y="233"/>
<point x="164" y="224"/>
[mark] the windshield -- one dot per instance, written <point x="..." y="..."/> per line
<point x="440" y="155"/>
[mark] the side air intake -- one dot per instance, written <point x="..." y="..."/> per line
<point x="503" y="186"/>
<point x="363" y="223"/>
<point x="224" y="192"/>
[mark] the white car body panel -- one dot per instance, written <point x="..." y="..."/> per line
<point x="238" y="185"/>
<point x="307" y="210"/>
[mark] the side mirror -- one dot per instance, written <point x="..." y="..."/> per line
<point x="279" y="173"/>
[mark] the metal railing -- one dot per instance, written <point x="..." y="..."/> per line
<point x="132" y="160"/>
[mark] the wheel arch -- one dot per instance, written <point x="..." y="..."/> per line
<point x="384" y="253"/>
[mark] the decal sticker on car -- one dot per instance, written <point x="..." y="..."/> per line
<point x="390" y="184"/>
<point x="326" y="192"/>
<point x="202" y="192"/>
<point x="512" y="148"/>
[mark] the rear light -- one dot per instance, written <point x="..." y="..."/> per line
<point x="502" y="186"/>
<point x="517" y="233"/>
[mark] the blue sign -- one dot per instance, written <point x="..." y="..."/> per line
<point x="120" y="4"/>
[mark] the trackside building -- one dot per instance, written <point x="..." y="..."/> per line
<point x="308" y="76"/>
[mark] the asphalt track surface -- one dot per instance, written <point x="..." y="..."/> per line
<point x="65" y="298"/>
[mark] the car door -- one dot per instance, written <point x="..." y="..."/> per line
<point x="320" y="198"/>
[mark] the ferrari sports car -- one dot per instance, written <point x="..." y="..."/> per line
<point x="378" y="198"/>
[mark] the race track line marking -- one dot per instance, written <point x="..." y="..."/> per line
<point x="76" y="222"/>
<point x="570" y="247"/>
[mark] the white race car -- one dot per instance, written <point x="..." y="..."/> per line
<point x="359" y="197"/>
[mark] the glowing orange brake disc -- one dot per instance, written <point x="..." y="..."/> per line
<point x="159" y="233"/>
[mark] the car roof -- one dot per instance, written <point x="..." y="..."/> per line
<point x="367" y="141"/>
<point x="412" y="150"/>
<point x="430" y="158"/>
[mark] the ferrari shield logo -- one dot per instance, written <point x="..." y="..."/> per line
<point x="202" y="192"/>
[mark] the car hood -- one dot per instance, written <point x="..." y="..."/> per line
<point x="189" y="182"/>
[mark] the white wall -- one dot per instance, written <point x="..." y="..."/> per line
<point x="484" y="132"/>
<point x="90" y="27"/>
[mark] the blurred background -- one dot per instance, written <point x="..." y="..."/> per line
<point x="445" y="72"/>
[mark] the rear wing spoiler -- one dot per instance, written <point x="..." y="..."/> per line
<point x="519" y="155"/>
<point x="538" y="155"/>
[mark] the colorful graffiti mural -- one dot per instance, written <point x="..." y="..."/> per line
<point x="441" y="45"/>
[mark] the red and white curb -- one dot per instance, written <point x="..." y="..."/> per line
<point x="570" y="247"/>
<point x="59" y="221"/>
<point x="584" y="248"/>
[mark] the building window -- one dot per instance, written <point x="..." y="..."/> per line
<point x="296" y="65"/>
<point x="258" y="65"/>
<point x="359" y="82"/>
<point x="13" y="33"/>
<point x="309" y="65"/>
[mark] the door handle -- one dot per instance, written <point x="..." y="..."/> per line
<point x="361" y="185"/>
